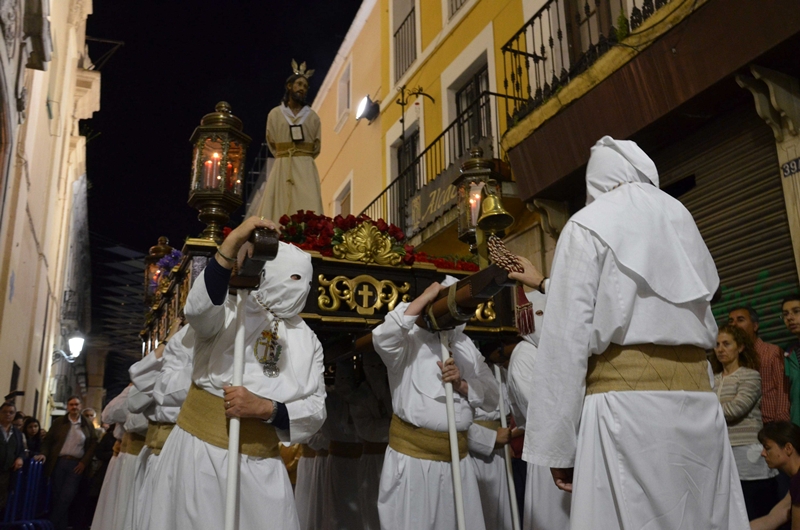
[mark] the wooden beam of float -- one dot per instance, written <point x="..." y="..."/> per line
<point x="454" y="306"/>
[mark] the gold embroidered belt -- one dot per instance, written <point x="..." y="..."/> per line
<point x="489" y="424"/>
<point x="290" y="149"/>
<point x="132" y="443"/>
<point x="648" y="367"/>
<point x="422" y="443"/>
<point x="203" y="415"/>
<point x="307" y="452"/>
<point x="157" y="433"/>
<point x="374" y="448"/>
<point x="345" y="449"/>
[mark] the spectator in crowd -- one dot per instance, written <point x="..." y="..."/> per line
<point x="19" y="420"/>
<point x="774" y="392"/>
<point x="69" y="447"/>
<point x="780" y="441"/>
<point x="91" y="416"/>
<point x="11" y="449"/>
<point x="33" y="438"/>
<point x="790" y="312"/>
<point x="738" y="386"/>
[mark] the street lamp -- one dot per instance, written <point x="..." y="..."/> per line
<point x="75" y="342"/>
<point x="218" y="159"/>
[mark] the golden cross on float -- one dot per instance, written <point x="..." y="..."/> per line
<point x="365" y="293"/>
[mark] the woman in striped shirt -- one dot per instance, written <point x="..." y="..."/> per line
<point x="738" y="386"/>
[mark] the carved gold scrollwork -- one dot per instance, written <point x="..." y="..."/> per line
<point x="485" y="312"/>
<point x="367" y="244"/>
<point x="363" y="293"/>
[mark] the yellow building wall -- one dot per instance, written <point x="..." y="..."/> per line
<point x="364" y="150"/>
<point x="355" y="147"/>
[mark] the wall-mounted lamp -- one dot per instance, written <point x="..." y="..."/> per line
<point x="75" y="342"/>
<point x="368" y="109"/>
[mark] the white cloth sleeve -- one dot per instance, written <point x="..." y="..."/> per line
<point x="520" y="375"/>
<point x="139" y="401"/>
<point x="206" y="318"/>
<point x="117" y="409"/>
<point x="483" y="391"/>
<point x="481" y="440"/>
<point x="173" y="382"/>
<point x="559" y="381"/>
<point x="307" y="415"/>
<point x="144" y="372"/>
<point x="136" y="423"/>
<point x="391" y="336"/>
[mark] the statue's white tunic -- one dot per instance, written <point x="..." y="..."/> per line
<point x="417" y="494"/>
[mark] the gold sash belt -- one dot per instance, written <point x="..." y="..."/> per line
<point x="374" y="448"/>
<point x="648" y="367"/>
<point x="290" y="149"/>
<point x="132" y="443"/>
<point x="422" y="443"/>
<point x="157" y="433"/>
<point x="203" y="415"/>
<point x="345" y="449"/>
<point x="489" y="424"/>
<point x="307" y="452"/>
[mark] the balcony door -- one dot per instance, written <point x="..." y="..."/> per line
<point x="474" y="112"/>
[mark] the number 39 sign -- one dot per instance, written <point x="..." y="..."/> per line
<point x="791" y="167"/>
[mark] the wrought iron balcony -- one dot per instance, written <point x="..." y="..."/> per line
<point x="404" y="203"/>
<point x="405" y="45"/>
<point x="559" y="42"/>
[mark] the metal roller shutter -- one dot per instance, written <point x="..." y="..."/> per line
<point x="738" y="204"/>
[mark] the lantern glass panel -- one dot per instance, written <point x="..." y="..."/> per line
<point x="208" y="168"/>
<point x="233" y="170"/>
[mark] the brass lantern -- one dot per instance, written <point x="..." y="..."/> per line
<point x="218" y="159"/>
<point x="477" y="190"/>
<point x="152" y="273"/>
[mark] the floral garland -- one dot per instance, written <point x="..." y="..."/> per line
<point x="310" y="231"/>
<point x="165" y="265"/>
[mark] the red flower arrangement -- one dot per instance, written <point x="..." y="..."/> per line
<point x="310" y="231"/>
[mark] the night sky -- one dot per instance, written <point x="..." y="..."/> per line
<point x="178" y="61"/>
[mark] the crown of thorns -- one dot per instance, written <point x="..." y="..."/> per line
<point x="301" y="70"/>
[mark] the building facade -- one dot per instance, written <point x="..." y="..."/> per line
<point x="48" y="85"/>
<point x="708" y="88"/>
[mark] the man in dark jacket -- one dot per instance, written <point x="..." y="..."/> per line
<point x="69" y="447"/>
<point x="11" y="449"/>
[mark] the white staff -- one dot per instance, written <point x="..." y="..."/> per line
<point x="232" y="492"/>
<point x="512" y="491"/>
<point x="455" y="459"/>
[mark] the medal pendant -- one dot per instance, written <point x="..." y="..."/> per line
<point x="271" y="369"/>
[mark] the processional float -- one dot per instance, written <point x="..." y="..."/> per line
<point x="352" y="290"/>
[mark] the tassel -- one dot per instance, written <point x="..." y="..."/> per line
<point x="523" y="312"/>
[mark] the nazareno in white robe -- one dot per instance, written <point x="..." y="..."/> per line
<point x="371" y="409"/>
<point x="169" y="387"/>
<point x="546" y="507"/>
<point x="309" y="491"/>
<point x="340" y="501"/>
<point x="490" y="469"/>
<point x="116" y="412"/>
<point x="631" y="268"/>
<point x="189" y="491"/>
<point x="417" y="494"/>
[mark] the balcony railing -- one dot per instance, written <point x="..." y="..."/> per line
<point x="476" y="125"/>
<point x="405" y="45"/>
<point x="455" y="5"/>
<point x="559" y="42"/>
